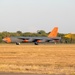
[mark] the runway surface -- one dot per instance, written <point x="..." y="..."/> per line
<point x="20" y="74"/>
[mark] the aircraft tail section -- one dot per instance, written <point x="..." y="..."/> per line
<point x="53" y="32"/>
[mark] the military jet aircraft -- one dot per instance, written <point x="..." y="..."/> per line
<point x="51" y="37"/>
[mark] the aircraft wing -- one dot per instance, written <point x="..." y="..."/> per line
<point x="38" y="39"/>
<point x="30" y="39"/>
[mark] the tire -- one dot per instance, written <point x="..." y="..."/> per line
<point x="17" y="43"/>
<point x="36" y="43"/>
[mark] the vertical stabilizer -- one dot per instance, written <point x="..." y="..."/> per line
<point x="53" y="32"/>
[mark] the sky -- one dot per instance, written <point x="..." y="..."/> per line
<point x="33" y="15"/>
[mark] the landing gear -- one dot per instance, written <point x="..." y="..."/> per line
<point x="36" y="43"/>
<point x="17" y="43"/>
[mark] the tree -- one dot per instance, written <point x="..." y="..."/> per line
<point x="41" y="32"/>
<point x="19" y="32"/>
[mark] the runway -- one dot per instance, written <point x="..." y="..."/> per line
<point x="20" y="74"/>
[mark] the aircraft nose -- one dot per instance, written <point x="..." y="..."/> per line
<point x="3" y="39"/>
<point x="7" y="39"/>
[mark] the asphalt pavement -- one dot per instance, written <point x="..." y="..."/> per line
<point x="20" y="74"/>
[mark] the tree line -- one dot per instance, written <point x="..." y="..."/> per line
<point x="37" y="34"/>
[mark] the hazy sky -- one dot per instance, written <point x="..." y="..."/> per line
<point x="33" y="15"/>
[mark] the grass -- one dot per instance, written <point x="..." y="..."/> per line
<point x="50" y="59"/>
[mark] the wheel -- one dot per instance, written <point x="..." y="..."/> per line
<point x="17" y="43"/>
<point x="36" y="43"/>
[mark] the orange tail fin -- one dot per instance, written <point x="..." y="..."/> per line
<point x="53" y="32"/>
